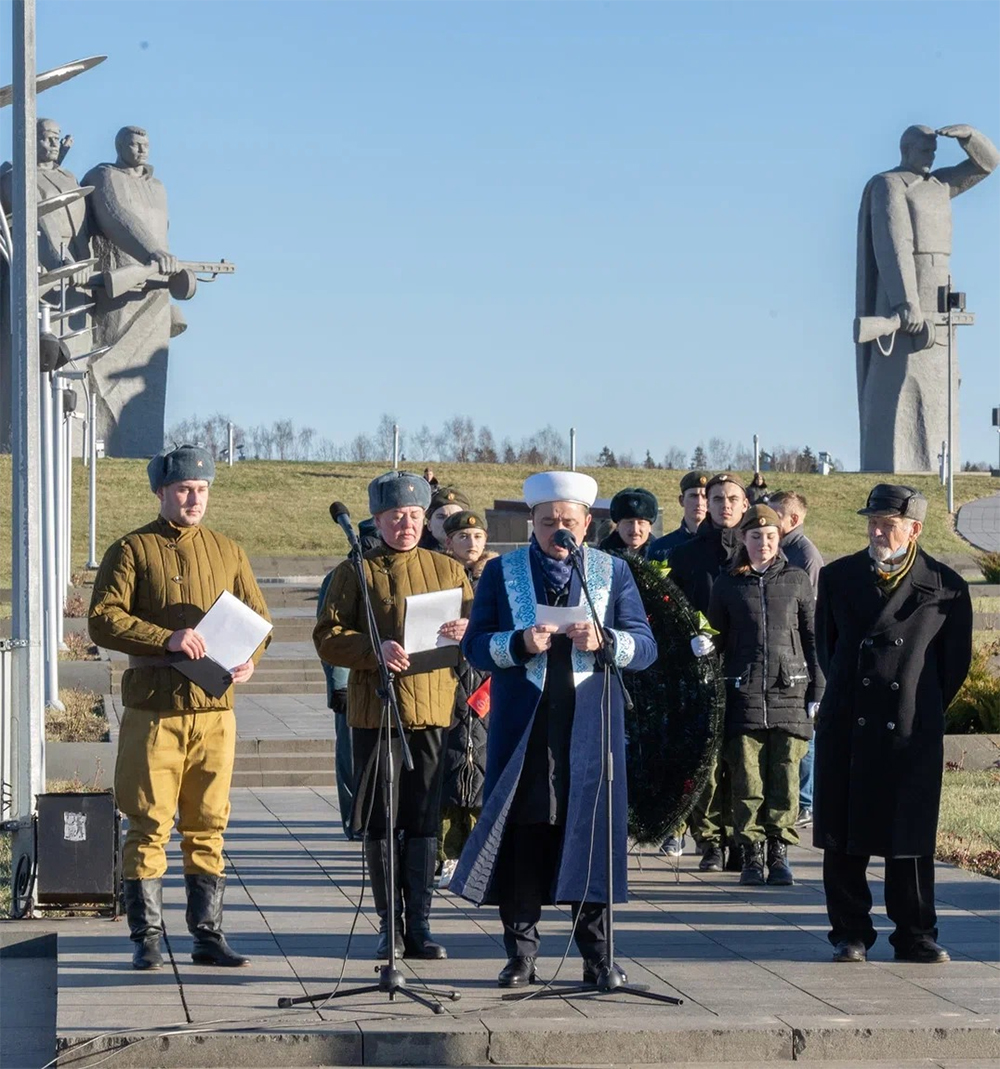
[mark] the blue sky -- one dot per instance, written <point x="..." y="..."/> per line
<point x="638" y="219"/>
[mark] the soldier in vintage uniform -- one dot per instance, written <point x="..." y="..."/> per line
<point x="176" y="745"/>
<point x="396" y="568"/>
<point x="894" y="638"/>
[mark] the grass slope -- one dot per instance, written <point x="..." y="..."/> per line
<point x="280" y="507"/>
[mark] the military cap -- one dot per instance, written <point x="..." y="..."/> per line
<point x="724" y="477"/>
<point x="634" y="503"/>
<point x="398" y="490"/>
<point x="464" y="520"/>
<point x="694" y="479"/>
<point x="448" y="495"/>
<point x="887" y="499"/>
<point x="180" y="463"/>
<point x="759" y="516"/>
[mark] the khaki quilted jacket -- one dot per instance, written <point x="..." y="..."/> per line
<point x="157" y="580"/>
<point x="426" y="699"/>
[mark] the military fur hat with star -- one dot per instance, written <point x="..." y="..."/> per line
<point x="179" y="464"/>
<point x="634" y="503"/>
<point x="465" y="520"/>
<point x="694" y="479"/>
<point x="759" y="516"/>
<point x="398" y="490"/>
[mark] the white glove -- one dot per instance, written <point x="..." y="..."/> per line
<point x="812" y="709"/>
<point x="702" y="645"/>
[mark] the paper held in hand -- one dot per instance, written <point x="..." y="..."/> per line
<point x="561" y="615"/>
<point x="232" y="632"/>
<point x="425" y="613"/>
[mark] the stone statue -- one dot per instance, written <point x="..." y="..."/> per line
<point x="63" y="237"/>
<point x="904" y="245"/>
<point x="128" y="220"/>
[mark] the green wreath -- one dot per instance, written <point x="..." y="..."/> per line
<point x="674" y="731"/>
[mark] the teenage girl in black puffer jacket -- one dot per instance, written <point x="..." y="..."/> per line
<point x="763" y="611"/>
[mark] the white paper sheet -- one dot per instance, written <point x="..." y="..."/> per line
<point x="561" y="615"/>
<point x="425" y="613"/>
<point x="232" y="631"/>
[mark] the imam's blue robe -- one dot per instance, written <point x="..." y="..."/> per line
<point x="508" y="592"/>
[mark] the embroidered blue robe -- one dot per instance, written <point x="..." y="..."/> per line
<point x="508" y="592"/>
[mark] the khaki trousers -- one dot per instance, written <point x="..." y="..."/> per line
<point x="174" y="764"/>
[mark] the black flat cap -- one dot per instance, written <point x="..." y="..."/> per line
<point x="888" y="499"/>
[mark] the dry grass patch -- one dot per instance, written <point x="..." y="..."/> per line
<point x="78" y="648"/>
<point x="969" y="825"/>
<point x="83" y="720"/>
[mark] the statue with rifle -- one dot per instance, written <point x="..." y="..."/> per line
<point x="133" y="312"/>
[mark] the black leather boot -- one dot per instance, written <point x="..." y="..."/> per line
<point x="144" y="910"/>
<point x="376" y="861"/>
<point x="419" y="860"/>
<point x="204" y="921"/>
<point x="752" y="874"/>
<point x="779" y="874"/>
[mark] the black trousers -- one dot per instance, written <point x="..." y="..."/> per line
<point x="416" y="794"/>
<point x="526" y="870"/>
<point x="909" y="898"/>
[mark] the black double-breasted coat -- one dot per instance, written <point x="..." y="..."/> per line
<point x="893" y="665"/>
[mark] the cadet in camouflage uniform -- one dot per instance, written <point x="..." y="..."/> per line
<point x="176" y="743"/>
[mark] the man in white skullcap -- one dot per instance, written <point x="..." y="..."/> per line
<point x="542" y="837"/>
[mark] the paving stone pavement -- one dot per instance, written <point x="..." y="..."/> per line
<point x="978" y="522"/>
<point x="751" y="964"/>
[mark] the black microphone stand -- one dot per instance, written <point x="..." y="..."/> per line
<point x="391" y="980"/>
<point x="609" y="979"/>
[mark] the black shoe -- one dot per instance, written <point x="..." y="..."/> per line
<point x="204" y="920"/>
<point x="711" y="858"/>
<point x="144" y="910"/>
<point x="924" y="952"/>
<point x="419" y="859"/>
<point x="779" y="874"/>
<point x="382" y="949"/>
<point x="850" y="950"/>
<point x="593" y="967"/>
<point x="517" y="972"/>
<point x="752" y="873"/>
<point x="734" y="859"/>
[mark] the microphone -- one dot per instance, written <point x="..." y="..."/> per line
<point x="341" y="517"/>
<point x="565" y="540"/>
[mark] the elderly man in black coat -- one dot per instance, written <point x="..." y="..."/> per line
<point x="894" y="638"/>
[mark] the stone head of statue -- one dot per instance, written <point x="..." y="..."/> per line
<point x="49" y="136"/>
<point x="916" y="149"/>
<point x="132" y="145"/>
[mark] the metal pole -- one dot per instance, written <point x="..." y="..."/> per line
<point x="92" y="477"/>
<point x="756" y="454"/>
<point x="27" y="618"/>
<point x="68" y="442"/>
<point x="50" y="573"/>
<point x="230" y="445"/>
<point x="395" y="447"/>
<point x="572" y="449"/>
<point x="951" y="406"/>
<point x="57" y="462"/>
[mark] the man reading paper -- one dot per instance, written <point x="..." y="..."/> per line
<point x="177" y="743"/>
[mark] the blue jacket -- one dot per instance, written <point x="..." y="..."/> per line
<point x="508" y="592"/>
<point x="661" y="548"/>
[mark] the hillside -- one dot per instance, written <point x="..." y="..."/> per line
<point x="281" y="507"/>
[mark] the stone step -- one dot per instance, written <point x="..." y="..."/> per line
<point x="313" y="778"/>
<point x="284" y="746"/>
<point x="275" y="763"/>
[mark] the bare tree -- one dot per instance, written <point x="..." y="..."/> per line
<point x="362" y="448"/>
<point x="720" y="453"/>
<point x="385" y="437"/>
<point x="742" y="459"/>
<point x="675" y="459"/>
<point x="422" y="444"/>
<point x="284" y="438"/>
<point x="626" y="460"/>
<point x="306" y="438"/>
<point x="460" y="439"/>
<point x="486" y="450"/>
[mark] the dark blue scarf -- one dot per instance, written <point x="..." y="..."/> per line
<point x="556" y="574"/>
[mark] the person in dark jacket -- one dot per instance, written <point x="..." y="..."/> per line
<point x="894" y="637"/>
<point x="694" y="567"/>
<point x="633" y="511"/>
<point x="757" y="490"/>
<point x="763" y="610"/>
<point x="799" y="550"/>
<point x="445" y="502"/>
<point x="693" y="499"/>
<point x="336" y="701"/>
<point x="465" y="751"/>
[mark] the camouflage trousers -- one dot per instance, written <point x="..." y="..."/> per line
<point x="764" y="772"/>
<point x="457" y="823"/>
<point x="711" y="818"/>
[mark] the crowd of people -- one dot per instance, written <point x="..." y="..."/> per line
<point x="503" y="803"/>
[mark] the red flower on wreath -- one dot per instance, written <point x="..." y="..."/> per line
<point x="666" y="597"/>
<point x="688" y="786"/>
